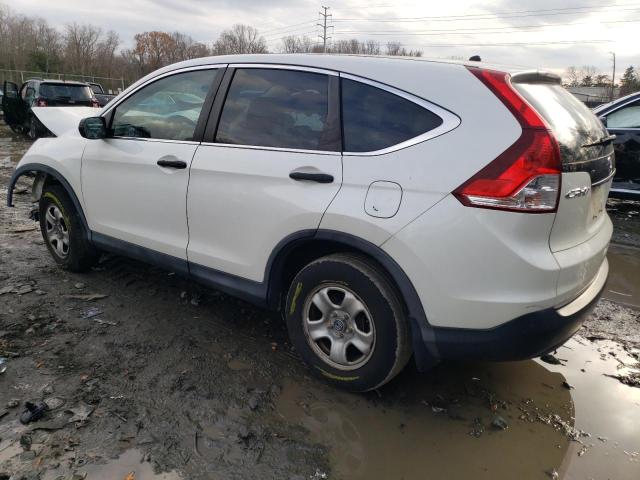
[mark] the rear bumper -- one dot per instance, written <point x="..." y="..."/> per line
<point x="528" y="336"/>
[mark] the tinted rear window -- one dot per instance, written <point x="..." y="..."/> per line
<point x="374" y="119"/>
<point x="66" y="92"/>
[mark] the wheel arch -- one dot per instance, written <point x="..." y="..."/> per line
<point x="299" y="249"/>
<point x="47" y="174"/>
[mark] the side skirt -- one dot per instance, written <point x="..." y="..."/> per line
<point x="251" y="291"/>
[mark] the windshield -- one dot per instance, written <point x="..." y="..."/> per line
<point x="69" y="92"/>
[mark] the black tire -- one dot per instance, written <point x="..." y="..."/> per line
<point x="79" y="255"/>
<point x="355" y="275"/>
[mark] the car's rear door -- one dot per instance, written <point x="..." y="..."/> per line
<point x="12" y="105"/>
<point x="134" y="183"/>
<point x="269" y="166"/>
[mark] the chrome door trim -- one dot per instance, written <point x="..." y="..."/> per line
<point x="155" y="140"/>
<point x="450" y="120"/>
<point x="280" y="66"/>
<point x="271" y="149"/>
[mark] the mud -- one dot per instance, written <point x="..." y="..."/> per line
<point x="173" y="381"/>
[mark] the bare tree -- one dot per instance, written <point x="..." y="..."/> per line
<point x="240" y="39"/>
<point x="81" y="42"/>
<point x="293" y="44"/>
<point x="394" y="48"/>
<point x="572" y="76"/>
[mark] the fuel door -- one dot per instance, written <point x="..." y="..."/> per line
<point x="383" y="199"/>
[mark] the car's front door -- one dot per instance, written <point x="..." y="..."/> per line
<point x="270" y="169"/>
<point x="625" y="124"/>
<point x="134" y="183"/>
<point x="12" y="105"/>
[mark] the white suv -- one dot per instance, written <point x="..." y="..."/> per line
<point x="388" y="207"/>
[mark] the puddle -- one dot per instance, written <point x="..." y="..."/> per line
<point x="623" y="285"/>
<point x="404" y="434"/>
<point x="127" y="463"/>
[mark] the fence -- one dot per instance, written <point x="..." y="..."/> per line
<point x="110" y="84"/>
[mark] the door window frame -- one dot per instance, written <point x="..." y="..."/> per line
<point x="449" y="119"/>
<point x="108" y="114"/>
<point x="334" y="117"/>
<point x="211" y="112"/>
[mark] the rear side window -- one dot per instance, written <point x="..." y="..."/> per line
<point x="65" y="92"/>
<point x="277" y="108"/>
<point x="374" y="119"/>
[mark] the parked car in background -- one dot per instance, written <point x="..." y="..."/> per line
<point x="459" y="218"/>
<point x="622" y="119"/>
<point x="17" y="103"/>
<point x="101" y="95"/>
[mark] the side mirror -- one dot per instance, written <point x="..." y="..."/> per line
<point x="93" y="128"/>
<point x="603" y="119"/>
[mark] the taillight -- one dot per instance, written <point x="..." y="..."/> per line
<point x="526" y="176"/>
<point x="94" y="103"/>
<point x="41" y="102"/>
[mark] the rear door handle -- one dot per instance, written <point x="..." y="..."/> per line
<point x="314" y="177"/>
<point x="179" y="164"/>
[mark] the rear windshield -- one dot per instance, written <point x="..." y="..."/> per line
<point x="64" y="91"/>
<point x="572" y="122"/>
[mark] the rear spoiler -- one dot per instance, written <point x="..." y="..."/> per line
<point x="536" y="76"/>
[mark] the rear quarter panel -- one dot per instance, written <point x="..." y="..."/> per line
<point x="428" y="171"/>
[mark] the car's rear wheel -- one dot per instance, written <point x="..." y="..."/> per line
<point x="345" y="320"/>
<point x="63" y="231"/>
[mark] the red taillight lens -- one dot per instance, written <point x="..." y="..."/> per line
<point x="41" y="102"/>
<point x="526" y="176"/>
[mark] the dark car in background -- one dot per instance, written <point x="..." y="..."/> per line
<point x="622" y="119"/>
<point x="100" y="94"/>
<point x="18" y="102"/>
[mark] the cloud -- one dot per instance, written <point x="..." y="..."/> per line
<point x="204" y="20"/>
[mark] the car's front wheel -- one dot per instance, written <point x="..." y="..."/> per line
<point x="345" y="320"/>
<point x="63" y="231"/>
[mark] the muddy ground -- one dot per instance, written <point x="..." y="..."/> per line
<point x="149" y="376"/>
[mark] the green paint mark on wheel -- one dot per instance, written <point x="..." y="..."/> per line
<point x="337" y="377"/>
<point x="292" y="308"/>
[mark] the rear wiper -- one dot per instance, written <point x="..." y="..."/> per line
<point x="602" y="141"/>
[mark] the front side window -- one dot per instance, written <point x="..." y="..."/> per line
<point x="626" y="117"/>
<point x="277" y="108"/>
<point x="374" y="119"/>
<point x="167" y="109"/>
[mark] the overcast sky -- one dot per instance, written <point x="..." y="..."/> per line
<point x="440" y="29"/>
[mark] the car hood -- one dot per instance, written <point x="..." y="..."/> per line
<point x="60" y="120"/>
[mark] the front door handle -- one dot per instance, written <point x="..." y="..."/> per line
<point x="179" y="164"/>
<point x="314" y="177"/>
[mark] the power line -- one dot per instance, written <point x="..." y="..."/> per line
<point x="512" y="44"/>
<point x="496" y="16"/>
<point x="509" y="29"/>
<point x="286" y="27"/>
<point x="290" y="32"/>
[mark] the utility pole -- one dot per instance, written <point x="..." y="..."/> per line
<point x="324" y="26"/>
<point x="613" y="76"/>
